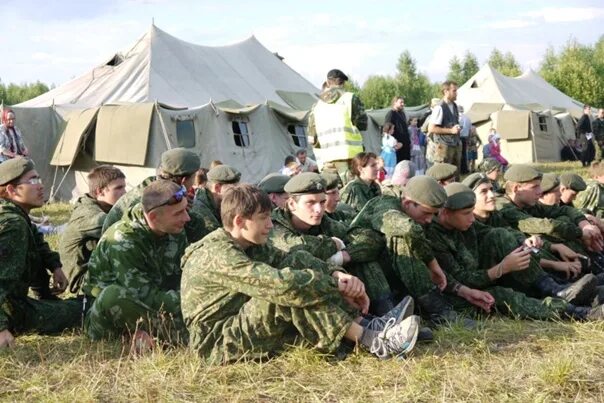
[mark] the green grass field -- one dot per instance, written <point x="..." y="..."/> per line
<point x="502" y="360"/>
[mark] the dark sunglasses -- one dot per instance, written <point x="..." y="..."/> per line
<point x="174" y="199"/>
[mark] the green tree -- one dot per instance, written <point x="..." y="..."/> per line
<point x="378" y="91"/>
<point x="455" y="71"/>
<point x="578" y="71"/>
<point x="14" y="94"/>
<point x="506" y="64"/>
<point x="469" y="66"/>
<point x="415" y="87"/>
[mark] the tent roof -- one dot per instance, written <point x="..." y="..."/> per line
<point x="528" y="91"/>
<point x="161" y="67"/>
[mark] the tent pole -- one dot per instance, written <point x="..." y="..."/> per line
<point x="163" y="127"/>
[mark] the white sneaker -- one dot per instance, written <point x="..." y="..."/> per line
<point x="400" y="312"/>
<point x="396" y="340"/>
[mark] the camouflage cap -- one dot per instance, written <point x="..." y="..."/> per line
<point x="273" y="183"/>
<point x="305" y="183"/>
<point x="573" y="181"/>
<point x="14" y="168"/>
<point x="336" y="74"/>
<point x="332" y="180"/>
<point x="224" y="174"/>
<point x="521" y="173"/>
<point x="441" y="171"/>
<point x="489" y="164"/>
<point x="459" y="196"/>
<point x="179" y="162"/>
<point x="549" y="182"/>
<point x="425" y="190"/>
<point x="475" y="180"/>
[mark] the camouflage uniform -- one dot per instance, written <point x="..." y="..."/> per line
<point x="398" y="243"/>
<point x="357" y="193"/>
<point x="25" y="257"/>
<point x="133" y="279"/>
<point x="317" y="240"/>
<point x="468" y="255"/>
<point x="344" y="214"/>
<point x="592" y="199"/>
<point x="390" y="189"/>
<point x="194" y="228"/>
<point x="252" y="303"/>
<point x="81" y="235"/>
<point x="209" y="212"/>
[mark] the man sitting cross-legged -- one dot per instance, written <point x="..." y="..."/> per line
<point x="244" y="299"/>
<point x="134" y="273"/>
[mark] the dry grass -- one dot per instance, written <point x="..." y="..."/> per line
<point x="503" y="360"/>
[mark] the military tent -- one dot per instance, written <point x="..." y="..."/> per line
<point x="240" y="103"/>
<point x="533" y="118"/>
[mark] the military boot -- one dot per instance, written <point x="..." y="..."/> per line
<point x="584" y="313"/>
<point x="434" y="308"/>
<point x="581" y="292"/>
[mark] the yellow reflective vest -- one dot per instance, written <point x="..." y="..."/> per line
<point x="337" y="138"/>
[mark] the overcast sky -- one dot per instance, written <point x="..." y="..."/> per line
<point x="56" y="41"/>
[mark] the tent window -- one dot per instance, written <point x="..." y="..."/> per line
<point x="185" y="133"/>
<point x="474" y="84"/>
<point x="298" y="133"/>
<point x="542" y="124"/>
<point x="241" y="133"/>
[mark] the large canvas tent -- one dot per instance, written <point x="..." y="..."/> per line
<point x="240" y="103"/>
<point x="533" y="118"/>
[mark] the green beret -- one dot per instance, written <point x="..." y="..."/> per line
<point x="459" y="196"/>
<point x="475" y="180"/>
<point x="549" y="182"/>
<point x="14" y="168"/>
<point x="304" y="183"/>
<point x="179" y="162"/>
<point x="273" y="183"/>
<point x="572" y="181"/>
<point x="332" y="180"/>
<point x="425" y="190"/>
<point x="521" y="173"/>
<point x="489" y="164"/>
<point x="224" y="174"/>
<point x="441" y="171"/>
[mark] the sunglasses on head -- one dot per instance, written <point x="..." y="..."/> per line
<point x="174" y="199"/>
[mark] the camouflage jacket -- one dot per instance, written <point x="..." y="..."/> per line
<point x="194" y="228"/>
<point x="357" y="193"/>
<point x="592" y="199"/>
<point x="358" y="116"/>
<point x="390" y="189"/>
<point x="207" y="210"/>
<point x="23" y="252"/>
<point x="81" y="235"/>
<point x="344" y="213"/>
<point x="317" y="240"/>
<point x="544" y="220"/>
<point x="219" y="277"/>
<point x="130" y="255"/>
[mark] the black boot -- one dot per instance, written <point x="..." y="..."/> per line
<point x="584" y="312"/>
<point x="434" y="308"/>
<point x="581" y="292"/>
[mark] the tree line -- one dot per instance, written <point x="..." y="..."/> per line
<point x="576" y="69"/>
<point x="13" y="94"/>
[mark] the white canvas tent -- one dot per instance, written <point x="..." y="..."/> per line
<point x="240" y="103"/>
<point x="533" y="117"/>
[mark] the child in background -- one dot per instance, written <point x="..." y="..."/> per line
<point x="381" y="171"/>
<point x="418" y="155"/>
<point x="472" y="149"/>
<point x="388" y="153"/>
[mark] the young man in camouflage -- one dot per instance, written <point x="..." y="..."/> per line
<point x="274" y="186"/>
<point x="244" y="299"/>
<point x="208" y="199"/>
<point x="391" y="230"/>
<point x="570" y="186"/>
<point x="334" y="207"/>
<point x="26" y="259"/>
<point x="106" y="185"/>
<point x="443" y="173"/>
<point x="179" y="166"/>
<point x="491" y="259"/>
<point x="134" y="273"/>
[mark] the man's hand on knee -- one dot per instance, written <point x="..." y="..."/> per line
<point x="6" y="339"/>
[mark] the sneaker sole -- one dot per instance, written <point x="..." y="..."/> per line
<point x="586" y="293"/>
<point x="413" y="323"/>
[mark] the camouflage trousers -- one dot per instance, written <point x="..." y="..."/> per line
<point x="515" y="304"/>
<point x="42" y="316"/>
<point x="117" y="311"/>
<point x="262" y="329"/>
<point x="372" y="275"/>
